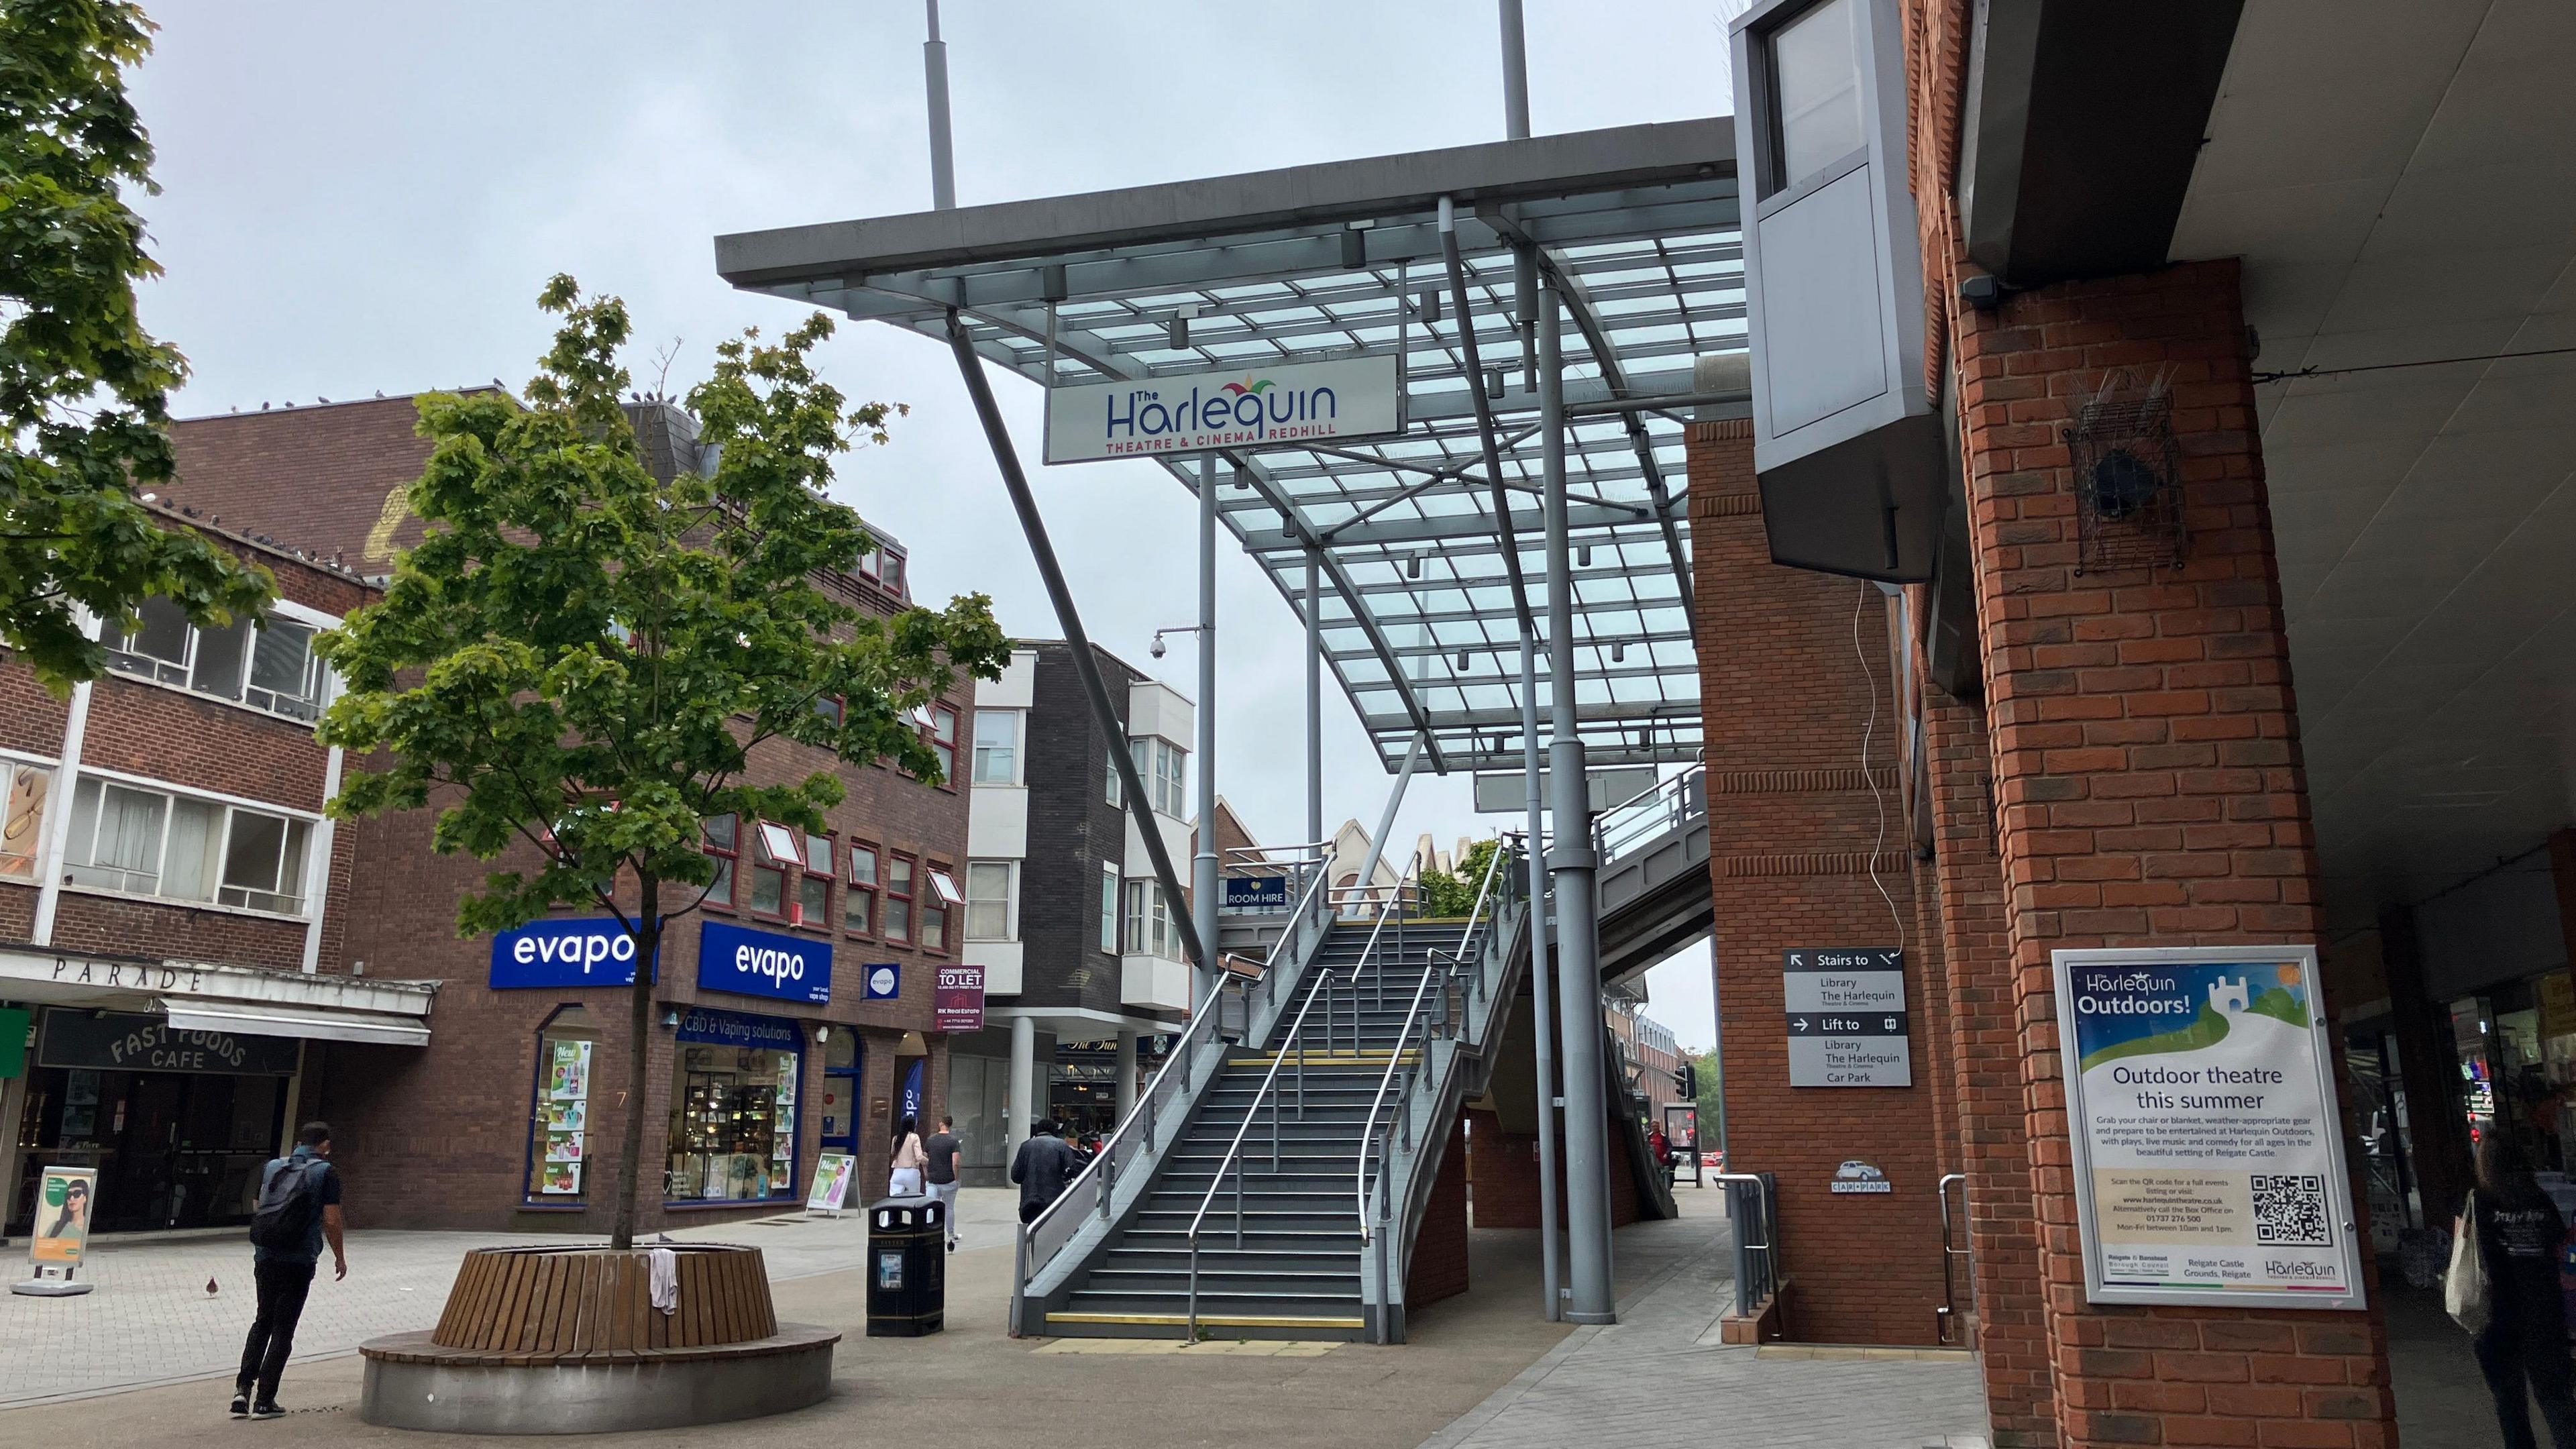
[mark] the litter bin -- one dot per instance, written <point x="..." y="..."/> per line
<point x="907" y="1267"/>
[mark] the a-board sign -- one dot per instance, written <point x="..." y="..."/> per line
<point x="1846" y="1016"/>
<point x="832" y="1174"/>
<point x="2208" y="1149"/>
<point x="1261" y="405"/>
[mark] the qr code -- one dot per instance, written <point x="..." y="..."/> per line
<point x="2290" y="1210"/>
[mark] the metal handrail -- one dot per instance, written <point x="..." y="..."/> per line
<point x="1752" y="1285"/>
<point x="1649" y="813"/>
<point x="1102" y="1170"/>
<point x="1369" y="1129"/>
<point x="1947" y="1313"/>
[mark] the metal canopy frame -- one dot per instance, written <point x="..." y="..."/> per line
<point x="1636" y="227"/>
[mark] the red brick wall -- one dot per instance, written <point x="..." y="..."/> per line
<point x="2146" y="755"/>
<point x="253" y="470"/>
<point x="1504" y="1168"/>
<point x="1788" y="662"/>
<point x="1439" y="1265"/>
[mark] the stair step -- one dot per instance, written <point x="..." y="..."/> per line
<point x="1315" y="1323"/>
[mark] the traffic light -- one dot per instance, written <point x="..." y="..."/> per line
<point x="1686" y="1078"/>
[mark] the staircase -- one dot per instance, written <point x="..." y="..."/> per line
<point x="1289" y="1264"/>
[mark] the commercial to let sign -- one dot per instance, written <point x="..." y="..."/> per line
<point x="2208" y="1151"/>
<point x="1273" y="405"/>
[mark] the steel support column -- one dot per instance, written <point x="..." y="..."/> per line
<point x="1314" y="700"/>
<point x="1570" y="870"/>
<point x="1203" y="864"/>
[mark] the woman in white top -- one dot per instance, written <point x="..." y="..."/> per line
<point x="909" y="1159"/>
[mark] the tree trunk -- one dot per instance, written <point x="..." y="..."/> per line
<point x="639" y="1043"/>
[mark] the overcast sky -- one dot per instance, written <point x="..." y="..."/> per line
<point x="362" y="199"/>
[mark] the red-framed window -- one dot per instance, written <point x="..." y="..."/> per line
<point x="814" y="887"/>
<point x="943" y="742"/>
<point x="938" y="906"/>
<point x="898" y="897"/>
<point x="859" y="901"/>
<point x="718" y="836"/>
<point x="829" y="707"/>
<point x="774" y="853"/>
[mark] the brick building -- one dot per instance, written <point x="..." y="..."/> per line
<point x="1080" y="959"/>
<point x="489" y="1122"/>
<point x="174" y="922"/>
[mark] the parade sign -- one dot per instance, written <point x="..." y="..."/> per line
<point x="2208" y="1150"/>
<point x="1265" y="406"/>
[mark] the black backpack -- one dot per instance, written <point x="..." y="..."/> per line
<point x="289" y="1194"/>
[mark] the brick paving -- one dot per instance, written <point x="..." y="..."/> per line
<point x="152" y="1321"/>
<point x="1659" y="1377"/>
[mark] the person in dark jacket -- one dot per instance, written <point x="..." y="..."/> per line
<point x="1045" y="1165"/>
<point x="2520" y="1234"/>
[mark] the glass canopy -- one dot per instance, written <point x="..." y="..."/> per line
<point x="1637" y="227"/>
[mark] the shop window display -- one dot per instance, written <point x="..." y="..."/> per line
<point x="559" y="1121"/>
<point x="733" y="1124"/>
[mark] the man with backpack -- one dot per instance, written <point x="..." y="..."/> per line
<point x="299" y="1207"/>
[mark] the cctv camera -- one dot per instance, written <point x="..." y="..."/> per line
<point x="1158" y="646"/>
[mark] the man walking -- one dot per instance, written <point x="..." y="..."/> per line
<point x="299" y="1207"/>
<point x="942" y="1173"/>
<point x="1045" y="1165"/>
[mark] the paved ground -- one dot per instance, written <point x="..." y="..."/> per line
<point x="1659" y="1377"/>
<point x="152" y="1320"/>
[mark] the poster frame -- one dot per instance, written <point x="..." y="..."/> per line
<point x="2063" y="964"/>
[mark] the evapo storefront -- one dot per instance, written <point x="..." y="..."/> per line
<point x="174" y="1080"/>
<point x="755" y="1079"/>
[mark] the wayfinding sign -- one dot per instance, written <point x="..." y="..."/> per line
<point x="2208" y="1151"/>
<point x="1264" y="406"/>
<point x="1847" y="1024"/>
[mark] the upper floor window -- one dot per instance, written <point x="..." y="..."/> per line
<point x="859" y="902"/>
<point x="1150" y="931"/>
<point x="151" y="843"/>
<point x="1164" y="767"/>
<point x="1109" y="906"/>
<point x="936" y="908"/>
<point x="718" y="838"/>
<point x="775" y="852"/>
<point x="23" y="792"/>
<point x="943" y="741"/>
<point x="268" y="664"/>
<point x="898" y="898"/>
<point x="814" y="888"/>
<point x="885" y="566"/>
<point x="1117" y="785"/>
<point x="997" y="747"/>
<point x="988" y="900"/>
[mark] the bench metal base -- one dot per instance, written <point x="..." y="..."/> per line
<point x="413" y="1384"/>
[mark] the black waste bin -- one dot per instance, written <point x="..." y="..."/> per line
<point x="907" y="1267"/>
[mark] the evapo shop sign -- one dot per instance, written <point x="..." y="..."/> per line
<point x="564" y="951"/>
<point x="763" y="963"/>
<point x="1351" y="397"/>
<point x="2208" y="1149"/>
<point x="122" y="1041"/>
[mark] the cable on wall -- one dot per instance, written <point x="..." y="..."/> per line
<point x="1876" y="798"/>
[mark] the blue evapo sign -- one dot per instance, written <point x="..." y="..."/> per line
<point x="884" y="981"/>
<point x="763" y="963"/>
<point x="1256" y="893"/>
<point x="585" y="951"/>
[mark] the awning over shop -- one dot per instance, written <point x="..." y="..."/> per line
<point x="249" y="1019"/>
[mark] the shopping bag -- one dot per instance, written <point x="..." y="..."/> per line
<point x="2466" y="1292"/>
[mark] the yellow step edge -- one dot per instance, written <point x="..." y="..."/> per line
<point x="1206" y="1320"/>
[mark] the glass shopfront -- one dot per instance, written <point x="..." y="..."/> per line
<point x="178" y="1123"/>
<point x="2516" y="1049"/>
<point x="733" y="1108"/>
<point x="559" y="1112"/>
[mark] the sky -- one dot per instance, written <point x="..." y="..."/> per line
<point x="364" y="199"/>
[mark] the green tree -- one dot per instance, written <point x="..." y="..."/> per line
<point x="84" y="390"/>
<point x="1448" y="894"/>
<point x="1712" y="1106"/>
<point x="581" y="659"/>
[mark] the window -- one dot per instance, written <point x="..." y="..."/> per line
<point x="1816" y="91"/>
<point x="1164" y="767"/>
<point x="733" y="1122"/>
<point x="268" y="665"/>
<point x="716" y="836"/>
<point x="943" y="741"/>
<point x="776" y="852"/>
<point x="829" y="707"/>
<point x="1117" y="782"/>
<point x="884" y="564"/>
<point x="814" y="888"/>
<point x="149" y="843"/>
<point x="1109" y="908"/>
<point x="898" y="898"/>
<point x="859" y="902"/>
<point x="997" y="747"/>
<point x="1149" y="922"/>
<point x="988" y="900"/>
<point x="559" y="1120"/>
<point x="23" y="791"/>
<point x="935" y="907"/>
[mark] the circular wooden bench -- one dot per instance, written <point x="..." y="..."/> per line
<point x="541" y="1340"/>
